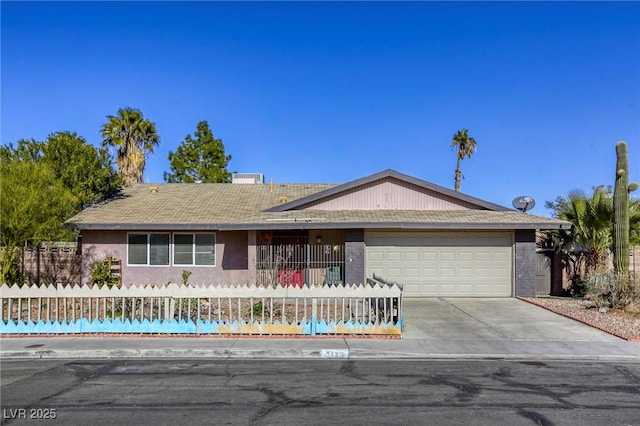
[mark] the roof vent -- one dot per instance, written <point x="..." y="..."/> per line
<point x="251" y="178"/>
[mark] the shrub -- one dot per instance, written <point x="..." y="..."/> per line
<point x="579" y="286"/>
<point x="258" y="309"/>
<point x="185" y="277"/>
<point x="613" y="290"/>
<point x="101" y="274"/>
<point x="14" y="276"/>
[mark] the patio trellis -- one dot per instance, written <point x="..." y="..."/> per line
<point x="374" y="308"/>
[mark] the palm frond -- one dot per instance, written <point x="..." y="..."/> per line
<point x="133" y="136"/>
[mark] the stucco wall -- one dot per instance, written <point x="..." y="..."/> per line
<point x="98" y="245"/>
<point x="231" y="260"/>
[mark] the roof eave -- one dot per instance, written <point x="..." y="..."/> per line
<point x="304" y="224"/>
<point x="147" y="226"/>
<point x="393" y="225"/>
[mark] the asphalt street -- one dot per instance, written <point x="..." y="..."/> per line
<point x="319" y="392"/>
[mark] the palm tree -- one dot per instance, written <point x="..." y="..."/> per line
<point x="466" y="147"/>
<point x="590" y="237"/>
<point x="133" y="136"/>
<point x="586" y="246"/>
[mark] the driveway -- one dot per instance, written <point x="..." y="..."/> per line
<point x="459" y="319"/>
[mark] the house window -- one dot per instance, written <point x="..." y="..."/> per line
<point x="148" y="249"/>
<point x="194" y="249"/>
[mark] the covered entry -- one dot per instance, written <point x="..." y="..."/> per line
<point x="431" y="264"/>
<point x="293" y="258"/>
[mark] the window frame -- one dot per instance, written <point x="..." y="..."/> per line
<point x="171" y="249"/>
<point x="194" y="249"/>
<point x="148" y="249"/>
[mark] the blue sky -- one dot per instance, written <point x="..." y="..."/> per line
<point x="328" y="92"/>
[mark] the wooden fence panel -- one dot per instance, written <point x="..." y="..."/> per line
<point x="370" y="308"/>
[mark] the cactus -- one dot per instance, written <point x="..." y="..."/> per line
<point x="621" y="211"/>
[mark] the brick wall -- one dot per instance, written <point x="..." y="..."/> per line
<point x="525" y="263"/>
<point x="354" y="256"/>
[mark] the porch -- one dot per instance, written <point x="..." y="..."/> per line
<point x="295" y="258"/>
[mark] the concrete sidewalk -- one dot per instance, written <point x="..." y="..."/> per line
<point x="434" y="329"/>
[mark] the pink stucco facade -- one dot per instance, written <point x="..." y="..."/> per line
<point x="231" y="260"/>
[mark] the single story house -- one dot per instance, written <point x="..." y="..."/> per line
<point x="430" y="239"/>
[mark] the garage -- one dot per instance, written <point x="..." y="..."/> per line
<point x="451" y="264"/>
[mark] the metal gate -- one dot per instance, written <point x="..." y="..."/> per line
<point x="290" y="260"/>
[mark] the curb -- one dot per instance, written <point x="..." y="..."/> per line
<point x="231" y="354"/>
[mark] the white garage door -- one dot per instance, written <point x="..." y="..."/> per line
<point x="428" y="264"/>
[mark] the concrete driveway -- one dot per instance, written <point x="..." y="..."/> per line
<point x="459" y="319"/>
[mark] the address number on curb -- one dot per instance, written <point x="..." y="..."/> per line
<point x="334" y="353"/>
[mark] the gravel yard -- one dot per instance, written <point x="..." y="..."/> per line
<point x="613" y="321"/>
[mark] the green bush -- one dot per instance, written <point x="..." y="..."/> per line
<point x="258" y="308"/>
<point x="101" y="274"/>
<point x="14" y="276"/>
<point x="185" y="277"/>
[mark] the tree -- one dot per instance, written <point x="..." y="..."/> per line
<point x="81" y="167"/>
<point x="133" y="136"/>
<point x="591" y="218"/>
<point x="45" y="183"/>
<point x="33" y="207"/>
<point x="199" y="159"/>
<point x="587" y="244"/>
<point x="466" y="146"/>
<point x="28" y="150"/>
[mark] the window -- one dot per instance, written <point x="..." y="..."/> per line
<point x="182" y="249"/>
<point x="194" y="249"/>
<point x="137" y="249"/>
<point x="148" y="249"/>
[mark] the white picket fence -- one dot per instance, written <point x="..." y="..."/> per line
<point x="369" y="308"/>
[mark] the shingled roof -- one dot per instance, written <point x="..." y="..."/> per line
<point x="194" y="205"/>
<point x="226" y="206"/>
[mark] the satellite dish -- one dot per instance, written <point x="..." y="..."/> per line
<point x="523" y="203"/>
